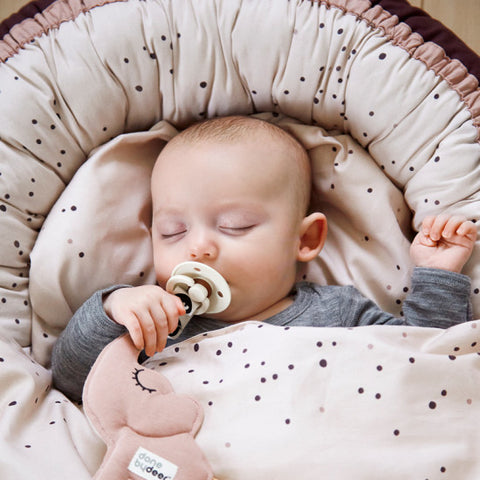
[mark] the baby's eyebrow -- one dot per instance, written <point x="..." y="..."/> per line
<point x="241" y="213"/>
<point x="239" y="206"/>
<point x="162" y="210"/>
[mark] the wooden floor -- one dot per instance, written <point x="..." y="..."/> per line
<point x="461" y="16"/>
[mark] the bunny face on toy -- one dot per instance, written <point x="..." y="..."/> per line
<point x="149" y="429"/>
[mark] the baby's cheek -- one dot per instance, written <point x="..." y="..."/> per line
<point x="162" y="275"/>
<point x="163" y="264"/>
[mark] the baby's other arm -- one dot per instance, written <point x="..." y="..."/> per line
<point x="437" y="298"/>
<point x="444" y="242"/>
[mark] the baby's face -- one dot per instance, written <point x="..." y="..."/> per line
<point x="228" y="206"/>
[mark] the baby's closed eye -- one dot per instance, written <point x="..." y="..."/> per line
<point x="166" y="236"/>
<point x="236" y="230"/>
<point x="171" y="229"/>
<point x="237" y="223"/>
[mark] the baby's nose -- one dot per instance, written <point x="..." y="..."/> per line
<point x="203" y="249"/>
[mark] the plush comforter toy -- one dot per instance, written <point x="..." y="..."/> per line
<point x="149" y="429"/>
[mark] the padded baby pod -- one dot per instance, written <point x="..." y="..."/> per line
<point x="76" y="74"/>
<point x="385" y="99"/>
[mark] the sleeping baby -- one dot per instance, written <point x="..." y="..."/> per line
<point x="234" y="193"/>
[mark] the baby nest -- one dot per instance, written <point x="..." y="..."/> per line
<point x="384" y="98"/>
<point x="350" y="67"/>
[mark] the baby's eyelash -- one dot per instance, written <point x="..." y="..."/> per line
<point x="166" y="236"/>
<point x="246" y="227"/>
<point x="236" y="230"/>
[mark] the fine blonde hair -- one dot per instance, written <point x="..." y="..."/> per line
<point x="239" y="128"/>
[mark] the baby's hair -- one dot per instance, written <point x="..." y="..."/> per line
<point x="238" y="128"/>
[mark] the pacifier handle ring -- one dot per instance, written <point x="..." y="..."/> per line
<point x="210" y="292"/>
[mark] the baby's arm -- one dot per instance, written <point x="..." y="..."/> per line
<point x="444" y="242"/>
<point x="88" y="332"/>
<point x="148" y="312"/>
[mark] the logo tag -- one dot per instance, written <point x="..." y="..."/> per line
<point x="150" y="466"/>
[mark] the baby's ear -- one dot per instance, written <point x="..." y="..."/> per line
<point x="313" y="233"/>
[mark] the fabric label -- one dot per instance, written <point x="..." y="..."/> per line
<point x="150" y="466"/>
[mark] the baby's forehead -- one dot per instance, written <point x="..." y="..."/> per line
<point x="256" y="170"/>
<point x="273" y="150"/>
<point x="254" y="157"/>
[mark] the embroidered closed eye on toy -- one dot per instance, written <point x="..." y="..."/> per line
<point x="150" y="430"/>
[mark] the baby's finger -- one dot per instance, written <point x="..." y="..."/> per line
<point x="168" y="311"/>
<point x="180" y="306"/>
<point x="160" y="328"/>
<point x="468" y="229"/>
<point x="427" y="225"/>
<point x="149" y="332"/>
<point x="130" y="321"/>
<point x="452" y="225"/>
<point x="162" y="334"/>
<point x="438" y="226"/>
<point x="173" y="308"/>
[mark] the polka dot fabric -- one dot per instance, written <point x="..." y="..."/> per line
<point x="81" y="73"/>
<point x="344" y="66"/>
<point x="96" y="235"/>
<point x="383" y="402"/>
<point x="42" y="434"/>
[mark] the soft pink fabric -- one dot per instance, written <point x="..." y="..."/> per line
<point x="131" y="407"/>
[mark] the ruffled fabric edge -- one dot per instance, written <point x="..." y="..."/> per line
<point x="453" y="71"/>
<point x="31" y="26"/>
<point x="432" y="55"/>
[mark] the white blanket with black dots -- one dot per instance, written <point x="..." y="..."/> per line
<point x="302" y="402"/>
<point x="280" y="403"/>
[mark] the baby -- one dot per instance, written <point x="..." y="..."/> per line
<point x="233" y="193"/>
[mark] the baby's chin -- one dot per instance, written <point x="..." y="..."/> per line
<point x="234" y="314"/>
<point x="226" y="316"/>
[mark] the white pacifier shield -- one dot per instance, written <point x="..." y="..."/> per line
<point x="220" y="296"/>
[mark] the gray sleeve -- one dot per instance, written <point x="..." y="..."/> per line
<point x="437" y="298"/>
<point x="89" y="331"/>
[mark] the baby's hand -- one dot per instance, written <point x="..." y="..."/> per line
<point x="444" y="242"/>
<point x="148" y="312"/>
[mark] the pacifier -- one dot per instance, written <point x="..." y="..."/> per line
<point x="201" y="290"/>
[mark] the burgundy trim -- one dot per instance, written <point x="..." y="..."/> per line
<point x="418" y="20"/>
<point x="434" y="31"/>
<point x="28" y="11"/>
